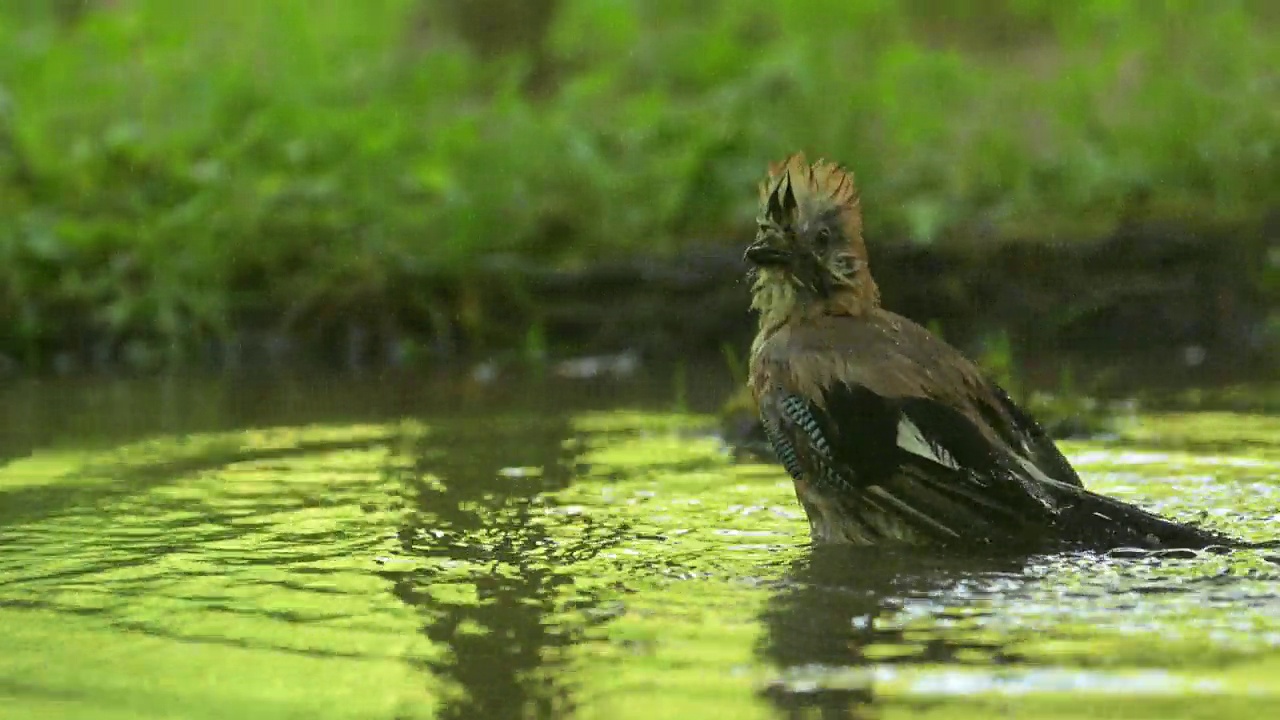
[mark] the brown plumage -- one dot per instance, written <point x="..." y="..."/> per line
<point x="890" y="434"/>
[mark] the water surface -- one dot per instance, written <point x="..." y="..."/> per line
<point x="433" y="548"/>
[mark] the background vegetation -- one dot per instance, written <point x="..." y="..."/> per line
<point x="170" y="171"/>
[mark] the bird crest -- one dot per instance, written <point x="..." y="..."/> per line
<point x="796" y="190"/>
<point x="802" y="205"/>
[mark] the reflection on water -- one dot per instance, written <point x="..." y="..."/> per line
<point x="831" y="622"/>
<point x="221" y="571"/>
<point x="437" y="550"/>
<point x="490" y="581"/>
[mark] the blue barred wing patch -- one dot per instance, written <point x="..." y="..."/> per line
<point x="797" y="411"/>
<point x="783" y="448"/>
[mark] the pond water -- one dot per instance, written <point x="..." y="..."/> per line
<point x="432" y="548"/>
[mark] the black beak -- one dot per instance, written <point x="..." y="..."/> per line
<point x="759" y="253"/>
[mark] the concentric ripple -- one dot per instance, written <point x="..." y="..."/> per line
<point x="612" y="564"/>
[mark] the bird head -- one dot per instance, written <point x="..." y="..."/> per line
<point x="808" y="251"/>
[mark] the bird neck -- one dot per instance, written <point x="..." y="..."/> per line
<point x="780" y="301"/>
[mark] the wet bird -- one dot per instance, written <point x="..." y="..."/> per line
<point x="889" y="433"/>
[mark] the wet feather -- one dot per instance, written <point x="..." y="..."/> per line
<point x="890" y="434"/>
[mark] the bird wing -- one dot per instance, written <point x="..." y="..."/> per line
<point x="919" y="464"/>
<point x="903" y="462"/>
<point x="1024" y="435"/>
<point x="893" y="357"/>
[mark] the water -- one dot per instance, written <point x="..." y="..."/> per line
<point x="435" y="548"/>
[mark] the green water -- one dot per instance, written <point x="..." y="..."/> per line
<point x="431" y="549"/>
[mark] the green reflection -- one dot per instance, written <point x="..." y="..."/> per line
<point x="222" y="575"/>
<point x="610" y="564"/>
<point x="497" y="574"/>
<point x="731" y="610"/>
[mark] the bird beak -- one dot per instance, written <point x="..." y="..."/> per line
<point x="762" y="254"/>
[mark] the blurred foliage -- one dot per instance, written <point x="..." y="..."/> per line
<point x="168" y="169"/>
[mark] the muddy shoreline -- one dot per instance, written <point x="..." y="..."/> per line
<point x="1204" y="299"/>
<point x="1200" y="298"/>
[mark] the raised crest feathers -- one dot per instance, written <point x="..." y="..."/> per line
<point x="796" y="186"/>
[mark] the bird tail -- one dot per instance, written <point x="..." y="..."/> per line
<point x="918" y="504"/>
<point x="1088" y="519"/>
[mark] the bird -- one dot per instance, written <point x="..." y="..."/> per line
<point x="891" y="435"/>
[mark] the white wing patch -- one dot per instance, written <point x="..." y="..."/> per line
<point x="1036" y="473"/>
<point x="913" y="441"/>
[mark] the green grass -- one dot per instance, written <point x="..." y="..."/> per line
<point x="169" y="170"/>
